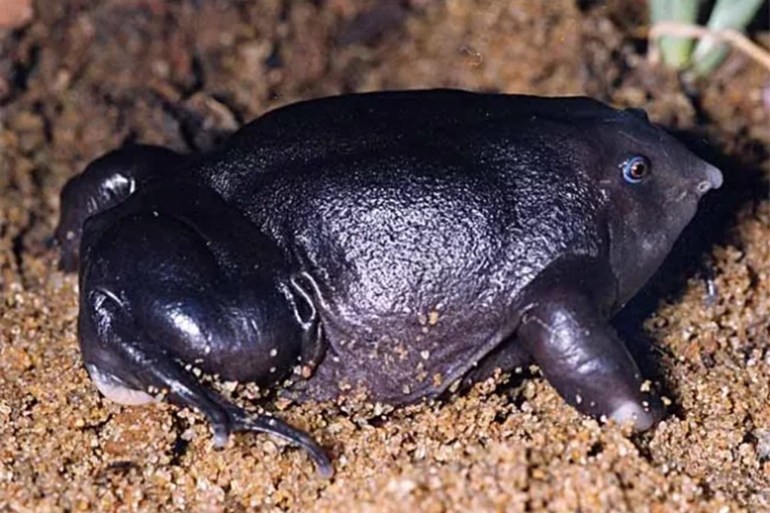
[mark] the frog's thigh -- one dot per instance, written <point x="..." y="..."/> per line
<point x="136" y="338"/>
<point x="582" y="357"/>
<point x="205" y="309"/>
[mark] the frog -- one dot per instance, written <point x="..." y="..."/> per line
<point x="388" y="245"/>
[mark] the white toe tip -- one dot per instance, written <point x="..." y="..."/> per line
<point x="634" y="413"/>
<point x="220" y="439"/>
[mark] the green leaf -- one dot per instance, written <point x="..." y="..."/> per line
<point x="675" y="50"/>
<point x="727" y="14"/>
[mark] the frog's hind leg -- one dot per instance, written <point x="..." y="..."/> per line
<point x="153" y="295"/>
<point x="104" y="183"/>
<point x="131" y="369"/>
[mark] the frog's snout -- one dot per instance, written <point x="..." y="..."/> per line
<point x="713" y="179"/>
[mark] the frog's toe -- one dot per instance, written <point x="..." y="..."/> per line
<point x="221" y="435"/>
<point x="641" y="415"/>
<point x="243" y="422"/>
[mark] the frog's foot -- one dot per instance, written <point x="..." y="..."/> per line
<point x="582" y="357"/>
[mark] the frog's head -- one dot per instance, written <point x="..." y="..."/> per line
<point x="652" y="184"/>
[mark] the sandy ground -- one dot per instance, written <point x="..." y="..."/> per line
<point x="84" y="77"/>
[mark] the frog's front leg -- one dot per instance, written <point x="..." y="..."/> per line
<point x="174" y="279"/>
<point x="581" y="356"/>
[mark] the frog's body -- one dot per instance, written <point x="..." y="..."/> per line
<point x="388" y="243"/>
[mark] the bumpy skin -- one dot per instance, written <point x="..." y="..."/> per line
<point x="387" y="243"/>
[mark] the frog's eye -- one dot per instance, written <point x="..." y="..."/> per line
<point x="635" y="169"/>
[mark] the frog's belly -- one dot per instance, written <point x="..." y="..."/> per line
<point x="401" y="326"/>
<point x="400" y="360"/>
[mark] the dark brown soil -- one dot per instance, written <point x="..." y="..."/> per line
<point x="83" y="77"/>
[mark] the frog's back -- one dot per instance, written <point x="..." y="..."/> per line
<point x="342" y="126"/>
<point x="401" y="199"/>
<point x="336" y="125"/>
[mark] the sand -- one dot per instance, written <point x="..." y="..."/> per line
<point x="83" y="77"/>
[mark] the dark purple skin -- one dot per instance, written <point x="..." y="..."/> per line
<point x="391" y="243"/>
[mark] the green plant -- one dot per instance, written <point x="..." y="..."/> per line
<point x="676" y="47"/>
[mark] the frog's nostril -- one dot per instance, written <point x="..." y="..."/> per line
<point x="703" y="187"/>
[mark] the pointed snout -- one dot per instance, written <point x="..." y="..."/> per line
<point x="713" y="179"/>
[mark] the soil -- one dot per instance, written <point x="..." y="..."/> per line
<point x="83" y="77"/>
